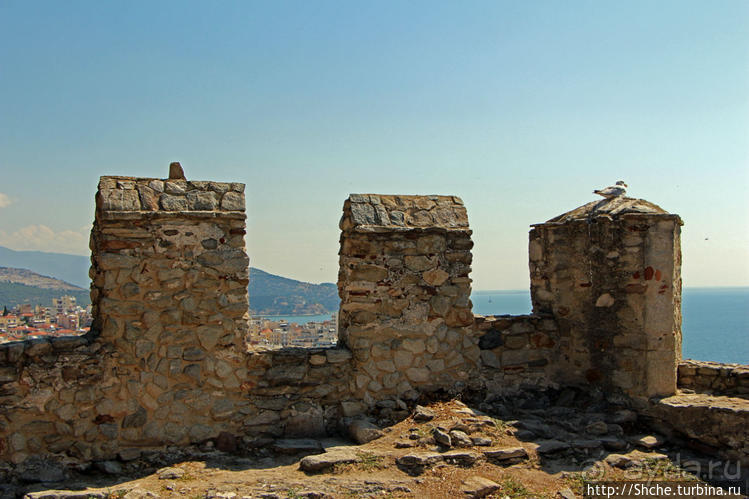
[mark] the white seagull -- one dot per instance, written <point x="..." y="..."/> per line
<point x="613" y="191"/>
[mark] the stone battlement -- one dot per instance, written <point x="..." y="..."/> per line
<point x="166" y="361"/>
<point x="119" y="195"/>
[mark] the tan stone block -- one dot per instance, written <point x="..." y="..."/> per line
<point x="418" y="374"/>
<point x="402" y="359"/>
<point x="317" y="360"/>
<point x="435" y="277"/>
<point x="420" y="263"/>
<point x="459" y="317"/>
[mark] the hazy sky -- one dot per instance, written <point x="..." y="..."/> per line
<point x="521" y="108"/>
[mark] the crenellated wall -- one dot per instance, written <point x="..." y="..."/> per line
<point x="166" y="360"/>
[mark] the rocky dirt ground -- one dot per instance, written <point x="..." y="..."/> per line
<point x="533" y="447"/>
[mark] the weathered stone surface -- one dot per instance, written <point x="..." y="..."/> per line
<point x="362" y="431"/>
<point x="460" y="439"/>
<point x="491" y="339"/>
<point x="648" y="441"/>
<point x="335" y="356"/>
<point x="481" y="441"/>
<point x="233" y="201"/>
<point x="551" y="446"/>
<point x="297" y="445"/>
<point x="477" y="486"/>
<point x="149" y="198"/>
<point x="171" y="473"/>
<point x="120" y="200"/>
<point x="597" y="428"/>
<point x="419" y="459"/>
<point x="38" y="469"/>
<point x="461" y="458"/>
<point x="170" y="202"/>
<point x="201" y="201"/>
<point x="176" y="171"/>
<point x="435" y="277"/>
<point x="505" y="454"/>
<point x="423" y="414"/>
<point x="170" y="278"/>
<point x="441" y="437"/>
<point x="328" y="460"/>
<point x="622" y="461"/>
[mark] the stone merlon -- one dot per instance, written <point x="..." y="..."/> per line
<point x="166" y="362"/>
<point x="374" y="212"/>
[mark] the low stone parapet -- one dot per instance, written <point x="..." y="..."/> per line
<point x="517" y="350"/>
<point x="717" y="425"/>
<point x="714" y="378"/>
<point x="296" y="392"/>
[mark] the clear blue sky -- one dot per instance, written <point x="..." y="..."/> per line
<point x="522" y="108"/>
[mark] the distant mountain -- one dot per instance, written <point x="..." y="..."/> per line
<point x="269" y="294"/>
<point x="275" y="295"/>
<point x="29" y="278"/>
<point x="13" y="293"/>
<point x="69" y="268"/>
<point x="19" y="286"/>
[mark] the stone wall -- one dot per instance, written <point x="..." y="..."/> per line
<point x="517" y="352"/>
<point x="609" y="273"/>
<point x="405" y="295"/>
<point x="166" y="360"/>
<point x="296" y="392"/>
<point x="717" y="425"/>
<point x="714" y="378"/>
<point x="52" y="399"/>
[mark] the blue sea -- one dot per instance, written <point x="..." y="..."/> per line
<point x="715" y="321"/>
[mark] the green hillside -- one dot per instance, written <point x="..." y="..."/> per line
<point x="269" y="294"/>
<point x="275" y="295"/>
<point x="12" y="294"/>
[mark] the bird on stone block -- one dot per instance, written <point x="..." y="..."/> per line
<point x="612" y="191"/>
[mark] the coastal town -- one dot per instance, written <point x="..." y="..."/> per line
<point x="278" y="332"/>
<point x="64" y="317"/>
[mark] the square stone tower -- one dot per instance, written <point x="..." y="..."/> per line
<point x="405" y="295"/>
<point x="610" y="274"/>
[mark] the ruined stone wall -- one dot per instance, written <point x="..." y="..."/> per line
<point x="609" y="273"/>
<point x="165" y="361"/>
<point x="714" y="378"/>
<point x="405" y="295"/>
<point x="517" y="352"/>
<point x="299" y="392"/>
<point x="52" y="399"/>
<point x="717" y="425"/>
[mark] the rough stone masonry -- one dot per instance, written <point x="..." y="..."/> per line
<point x="166" y="362"/>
